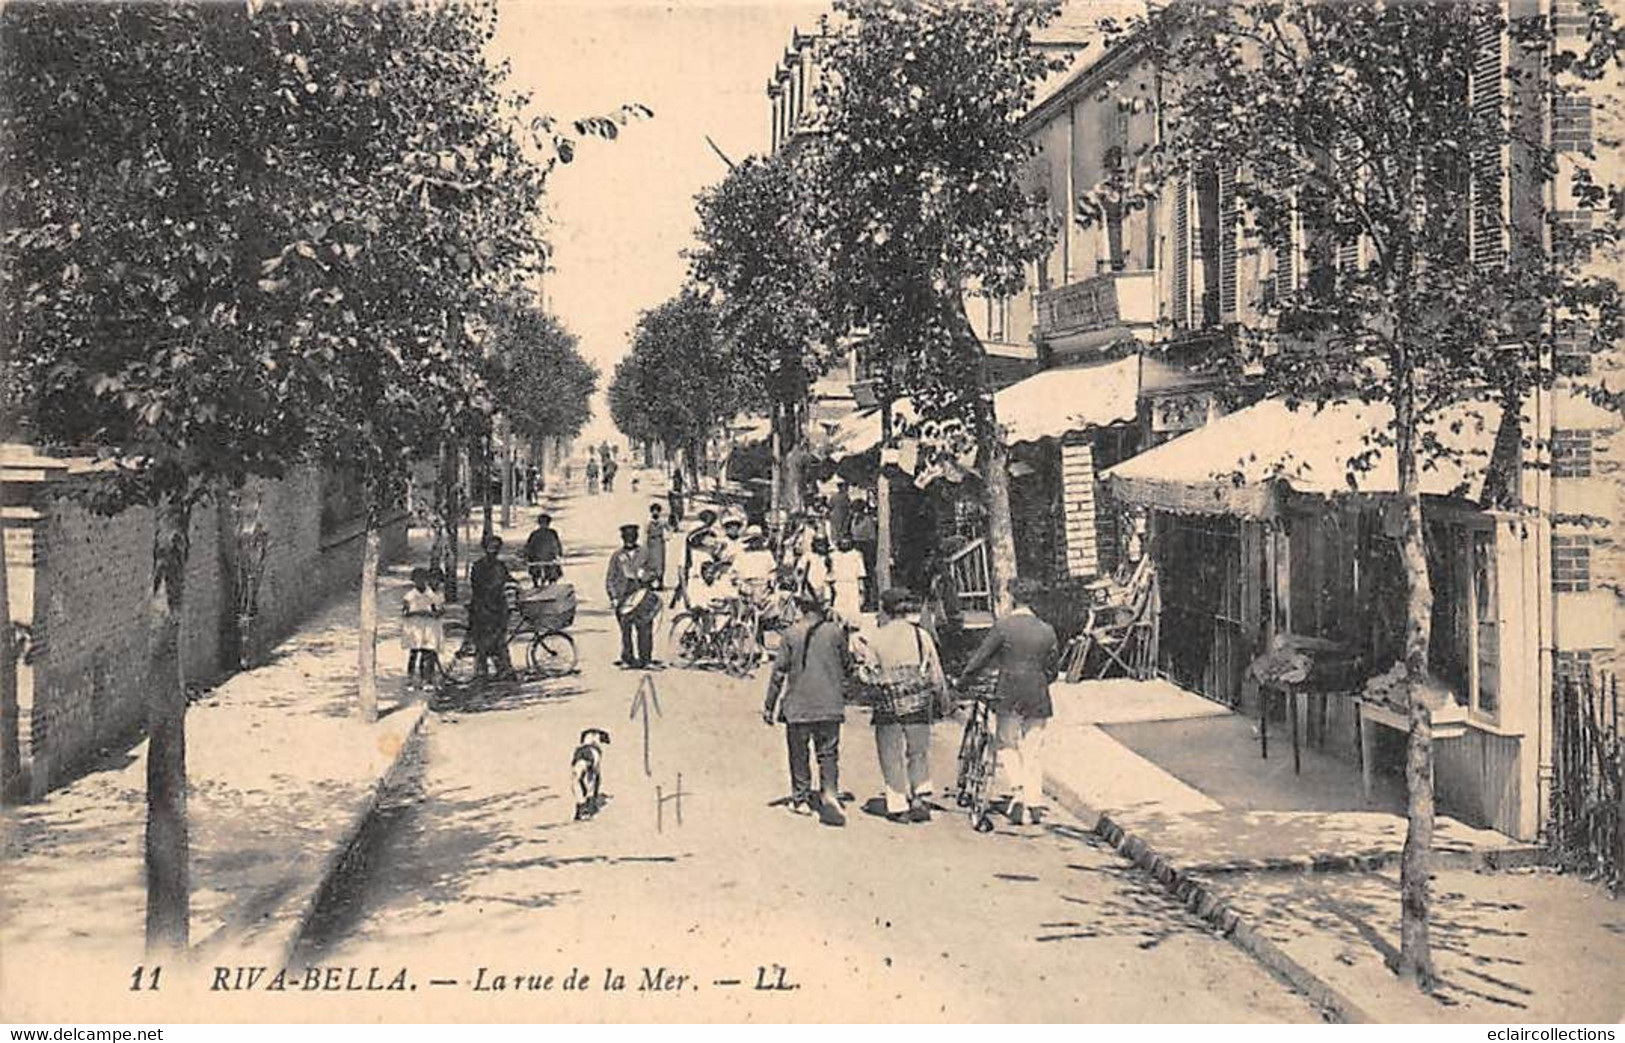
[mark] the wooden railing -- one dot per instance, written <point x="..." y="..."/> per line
<point x="973" y="576"/>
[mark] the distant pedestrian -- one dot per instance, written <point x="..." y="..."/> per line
<point x="533" y="484"/>
<point x="610" y="467"/>
<point x="592" y="477"/>
<point x="865" y="526"/>
<point x="674" y="495"/>
<point x="840" y="512"/>
<point x="1027" y="654"/>
<point x="654" y="544"/>
<point x="846" y="578"/>
<point x="421" y="633"/>
<point x="632" y="596"/>
<point x="900" y="667"/>
<point x="488" y="610"/>
<point x="806" y="694"/>
<point x="544" y="552"/>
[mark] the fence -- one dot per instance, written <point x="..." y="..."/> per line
<point x="1586" y="751"/>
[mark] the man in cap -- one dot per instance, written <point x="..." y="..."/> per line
<point x="632" y="596"/>
<point x="805" y="692"/>
<point x="488" y="609"/>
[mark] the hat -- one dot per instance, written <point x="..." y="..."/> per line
<point x="708" y="516"/>
<point x="894" y="599"/>
<point x="544" y="518"/>
<point x="490" y="540"/>
<point x="754" y="531"/>
<point x="633" y="529"/>
<point x="729" y="522"/>
<point x="807" y="601"/>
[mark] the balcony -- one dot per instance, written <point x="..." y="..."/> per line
<point x="1101" y="302"/>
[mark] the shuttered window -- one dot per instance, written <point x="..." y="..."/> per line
<point x="1182" y="251"/>
<point x="1229" y="217"/>
<point x="1486" y="95"/>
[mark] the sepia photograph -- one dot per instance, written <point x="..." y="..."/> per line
<point x="792" y="512"/>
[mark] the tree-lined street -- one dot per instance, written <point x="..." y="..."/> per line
<point x="477" y="864"/>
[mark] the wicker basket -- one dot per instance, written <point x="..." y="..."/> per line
<point x="549" y="610"/>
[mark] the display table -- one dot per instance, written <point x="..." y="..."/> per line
<point x="1449" y="722"/>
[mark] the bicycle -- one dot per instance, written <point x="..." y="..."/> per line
<point x="537" y="635"/>
<point x="725" y="637"/>
<point x="978" y="761"/>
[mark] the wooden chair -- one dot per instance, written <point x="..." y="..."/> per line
<point x="1122" y="629"/>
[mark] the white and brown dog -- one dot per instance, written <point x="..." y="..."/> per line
<point x="586" y="766"/>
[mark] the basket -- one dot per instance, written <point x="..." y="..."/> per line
<point x="550" y="609"/>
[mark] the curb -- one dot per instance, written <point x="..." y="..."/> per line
<point x="1210" y="907"/>
<point x="334" y="864"/>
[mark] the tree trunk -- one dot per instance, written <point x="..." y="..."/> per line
<point x="883" y="540"/>
<point x="11" y="749"/>
<point x="167" y="843"/>
<point x="367" y="645"/>
<point x="776" y="492"/>
<point x="1415" y="957"/>
<point x="1001" y="539"/>
<point x="485" y="485"/>
<point x="452" y="520"/>
<point x="507" y="477"/>
<point x="229" y="548"/>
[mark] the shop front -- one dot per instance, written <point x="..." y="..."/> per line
<point x="1263" y="535"/>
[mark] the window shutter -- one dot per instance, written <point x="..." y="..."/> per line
<point x="1228" y="220"/>
<point x="1486" y="94"/>
<point x="1182" y="251"/>
<point x="1343" y="163"/>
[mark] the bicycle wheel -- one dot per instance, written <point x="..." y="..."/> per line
<point x="552" y="654"/>
<point x="458" y="667"/>
<point x="685" y="637"/>
<point x="739" y="649"/>
<point x="520" y="640"/>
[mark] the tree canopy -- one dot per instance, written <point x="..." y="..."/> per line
<point x="540" y="379"/>
<point x="756" y="255"/>
<point x="919" y="194"/>
<point x="675" y="385"/>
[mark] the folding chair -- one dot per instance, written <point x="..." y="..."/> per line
<point x="1123" y="631"/>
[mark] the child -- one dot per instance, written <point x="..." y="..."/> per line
<point x="421" y="632"/>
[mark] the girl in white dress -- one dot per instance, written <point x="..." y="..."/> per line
<point x="421" y="631"/>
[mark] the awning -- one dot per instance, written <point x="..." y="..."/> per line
<point x="1057" y="401"/>
<point x="1235" y="464"/>
<point x="859" y="431"/>
<point x="1044" y="405"/>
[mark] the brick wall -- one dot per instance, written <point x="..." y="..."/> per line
<point x="92" y="579"/>
<point x="1571" y="564"/>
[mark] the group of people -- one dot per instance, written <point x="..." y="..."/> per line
<point x="894" y="665"/>
<point x="601" y="466"/>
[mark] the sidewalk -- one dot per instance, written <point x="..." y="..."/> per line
<point x="1306" y="878"/>
<point x="282" y="777"/>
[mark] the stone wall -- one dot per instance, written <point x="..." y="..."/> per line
<point x="86" y="673"/>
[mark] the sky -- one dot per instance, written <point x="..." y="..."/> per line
<point x="623" y="211"/>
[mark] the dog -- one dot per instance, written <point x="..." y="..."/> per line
<point x="586" y="767"/>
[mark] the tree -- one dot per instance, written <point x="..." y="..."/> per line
<point x="920" y="200"/>
<point x="240" y="236"/>
<point x="756" y="254"/>
<point x="544" y="385"/>
<point x="1377" y="131"/>
<point x="676" y="384"/>
<point x="415" y="232"/>
<point x="140" y="193"/>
